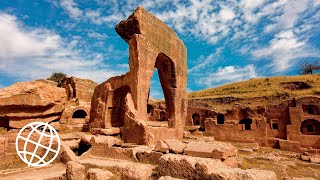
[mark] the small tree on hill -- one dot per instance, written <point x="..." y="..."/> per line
<point x="57" y="77"/>
<point x="309" y="67"/>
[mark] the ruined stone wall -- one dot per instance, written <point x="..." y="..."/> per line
<point x="193" y="112"/>
<point x="233" y="130"/>
<point x="157" y="111"/>
<point x="82" y="89"/>
<point x="298" y="116"/>
<point x="122" y="100"/>
<point x="277" y="117"/>
<point x="294" y="121"/>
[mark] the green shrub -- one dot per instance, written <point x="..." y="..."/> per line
<point x="57" y="77"/>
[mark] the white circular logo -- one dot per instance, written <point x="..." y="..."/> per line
<point x="32" y="144"/>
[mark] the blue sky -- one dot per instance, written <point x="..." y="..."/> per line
<point x="227" y="41"/>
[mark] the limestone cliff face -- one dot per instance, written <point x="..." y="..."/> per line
<point x="25" y="102"/>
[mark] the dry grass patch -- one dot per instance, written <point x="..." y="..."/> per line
<point x="262" y="91"/>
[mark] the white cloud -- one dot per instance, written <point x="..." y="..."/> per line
<point x="227" y="14"/>
<point x="249" y="7"/>
<point x="208" y="20"/>
<point x="33" y="43"/>
<point x="252" y="4"/>
<point x="203" y="62"/>
<point x="291" y="13"/>
<point x="31" y="53"/>
<point x="228" y="74"/>
<point x="283" y="49"/>
<point x="96" y="17"/>
<point x="99" y="36"/>
<point x="242" y="24"/>
<point x="71" y="8"/>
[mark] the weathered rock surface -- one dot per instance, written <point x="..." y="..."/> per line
<point x="127" y="169"/>
<point x="162" y="147"/>
<point x="108" y="131"/>
<point x="236" y="173"/>
<point x="132" y="172"/>
<point x="75" y="171"/>
<point x="181" y="166"/>
<point x="232" y="162"/>
<point x="113" y="152"/>
<point x="315" y="159"/>
<point x="289" y="145"/>
<point x="99" y="174"/>
<point x="50" y="172"/>
<point x="3" y="145"/>
<point x="67" y="154"/>
<point x="148" y="157"/>
<point x="168" y="178"/>
<point x="24" y="102"/>
<point x="82" y="89"/>
<point x="108" y="141"/>
<point x="215" y="149"/>
<point x="175" y="145"/>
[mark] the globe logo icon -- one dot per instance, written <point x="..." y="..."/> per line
<point x="38" y="144"/>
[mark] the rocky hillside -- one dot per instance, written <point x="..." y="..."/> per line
<point x="25" y="102"/>
<point x="257" y="91"/>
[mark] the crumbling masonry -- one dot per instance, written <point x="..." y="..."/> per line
<point x="122" y="101"/>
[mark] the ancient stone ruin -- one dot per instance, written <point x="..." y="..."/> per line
<point x="122" y="100"/>
<point x="292" y="125"/>
<point x="116" y="131"/>
<point x="43" y="101"/>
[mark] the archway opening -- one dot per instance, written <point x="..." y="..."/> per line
<point x="162" y="116"/>
<point x="167" y="77"/>
<point x="196" y="119"/>
<point x="80" y="113"/>
<point x="311" y="109"/>
<point x="310" y="127"/>
<point x="150" y="109"/>
<point x="220" y="119"/>
<point x="118" y="108"/>
<point x="4" y="123"/>
<point x="246" y="123"/>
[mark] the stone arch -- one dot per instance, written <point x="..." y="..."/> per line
<point x="79" y="113"/>
<point x="220" y="119"/>
<point x="196" y="119"/>
<point x="310" y="127"/>
<point x="246" y="123"/>
<point x="149" y="48"/>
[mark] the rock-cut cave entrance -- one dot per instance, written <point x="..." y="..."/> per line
<point x="310" y="127"/>
<point x="220" y="119"/>
<point x="246" y="124"/>
<point x="80" y="113"/>
<point x="196" y="119"/>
